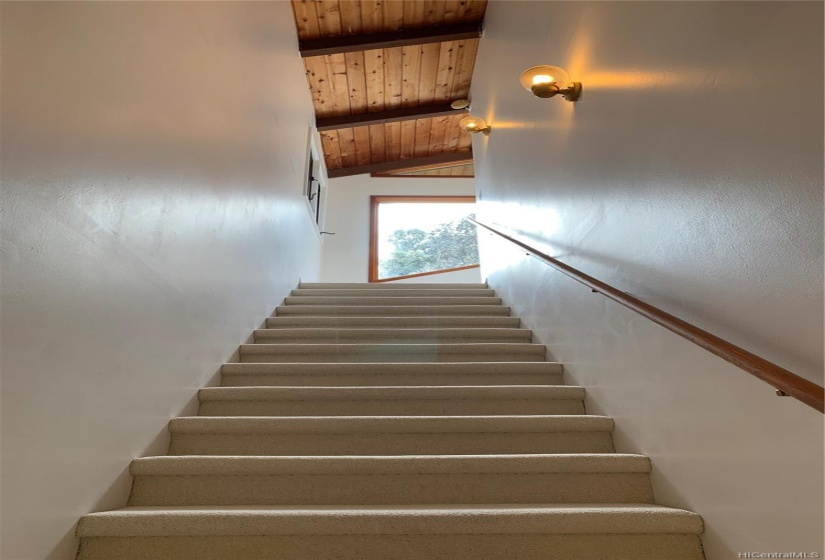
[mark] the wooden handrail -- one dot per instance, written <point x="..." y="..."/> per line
<point x="786" y="382"/>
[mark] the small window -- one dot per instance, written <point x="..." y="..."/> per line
<point x="414" y="236"/>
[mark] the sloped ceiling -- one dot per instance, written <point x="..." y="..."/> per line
<point x="382" y="75"/>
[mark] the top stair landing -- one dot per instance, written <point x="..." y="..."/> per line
<point x="389" y="286"/>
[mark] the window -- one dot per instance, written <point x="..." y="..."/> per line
<point x="414" y="236"/>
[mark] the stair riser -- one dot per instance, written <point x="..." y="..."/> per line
<point x="414" y="547"/>
<point x="383" y="300"/>
<point x="391" y="407"/>
<point x="285" y="336"/>
<point x="396" y="311"/>
<point x="392" y="352"/>
<point x="360" y="443"/>
<point x="423" y="322"/>
<point x="392" y="488"/>
<point x="390" y="338"/>
<point x="383" y="380"/>
<point x="380" y="357"/>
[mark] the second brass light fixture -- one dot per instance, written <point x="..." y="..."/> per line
<point x="474" y="125"/>
<point x="549" y="81"/>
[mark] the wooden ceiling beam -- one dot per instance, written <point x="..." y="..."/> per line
<point x="385" y="40"/>
<point x="467" y="160"/>
<point x="382" y="117"/>
<point x="399" y="164"/>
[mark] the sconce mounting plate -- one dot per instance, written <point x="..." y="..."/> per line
<point x="572" y="92"/>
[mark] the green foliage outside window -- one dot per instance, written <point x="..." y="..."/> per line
<point x="449" y="245"/>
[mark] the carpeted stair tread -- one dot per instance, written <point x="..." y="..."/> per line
<point x="409" y="321"/>
<point x="393" y="310"/>
<point x="421" y="368"/>
<point x="393" y="352"/>
<point x="387" y="435"/>
<point x="401" y="348"/>
<point x="415" y="479"/>
<point x="434" y="464"/>
<point x="423" y="519"/>
<point x="550" y="392"/>
<point x="397" y="400"/>
<point x="391" y="300"/>
<point x="390" y="291"/>
<point x="388" y="373"/>
<point x="390" y="424"/>
<point x="371" y="351"/>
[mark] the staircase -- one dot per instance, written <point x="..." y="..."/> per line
<point x="392" y="422"/>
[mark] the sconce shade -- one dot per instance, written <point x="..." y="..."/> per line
<point x="548" y="81"/>
<point x="540" y="75"/>
<point x="474" y="124"/>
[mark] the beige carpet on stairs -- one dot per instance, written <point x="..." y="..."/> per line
<point x="392" y="422"/>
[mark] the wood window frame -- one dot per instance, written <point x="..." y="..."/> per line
<point x="375" y="202"/>
<point x="391" y="176"/>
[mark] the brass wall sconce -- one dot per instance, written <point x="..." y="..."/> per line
<point x="474" y="125"/>
<point x="543" y="81"/>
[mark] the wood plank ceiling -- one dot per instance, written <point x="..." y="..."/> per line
<point x="382" y="74"/>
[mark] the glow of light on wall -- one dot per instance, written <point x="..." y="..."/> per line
<point x="522" y="219"/>
<point x="534" y="225"/>
<point x="532" y="125"/>
<point x="581" y="66"/>
<point x="680" y="80"/>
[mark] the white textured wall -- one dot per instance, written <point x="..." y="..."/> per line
<point x="153" y="163"/>
<point x="346" y="254"/>
<point x="687" y="178"/>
